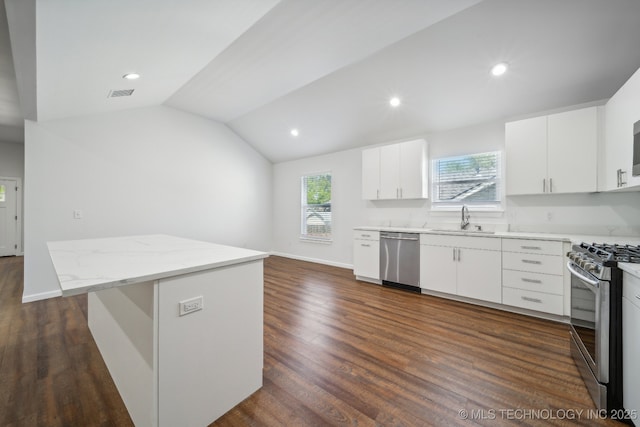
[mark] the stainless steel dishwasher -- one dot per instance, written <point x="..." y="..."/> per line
<point x="400" y="259"/>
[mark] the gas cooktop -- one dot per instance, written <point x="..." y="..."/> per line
<point x="599" y="258"/>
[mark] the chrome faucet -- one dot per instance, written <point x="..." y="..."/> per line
<point x="464" y="223"/>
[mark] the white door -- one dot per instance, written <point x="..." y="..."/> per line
<point x="8" y="217"/>
<point x="371" y="173"/>
<point x="413" y="182"/>
<point x="390" y="171"/>
<point x="480" y="274"/>
<point x="438" y="269"/>
<point x="572" y="151"/>
<point x="526" y="149"/>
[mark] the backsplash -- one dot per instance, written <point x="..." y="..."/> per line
<point x="607" y="214"/>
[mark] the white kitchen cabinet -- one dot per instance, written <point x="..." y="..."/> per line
<point x="631" y="342"/>
<point x="366" y="254"/>
<point x="616" y="151"/>
<point x="396" y="171"/>
<point x="553" y="154"/>
<point x="461" y="265"/>
<point x="371" y="174"/>
<point x="533" y="275"/>
<point x="438" y="269"/>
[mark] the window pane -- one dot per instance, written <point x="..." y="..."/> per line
<point x="2" y="193"/>
<point x="316" y="206"/>
<point x="467" y="179"/>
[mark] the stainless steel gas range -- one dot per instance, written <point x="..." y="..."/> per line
<point x="596" y="318"/>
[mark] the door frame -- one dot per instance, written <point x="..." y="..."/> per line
<point x="18" y="182"/>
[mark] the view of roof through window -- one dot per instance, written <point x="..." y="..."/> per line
<point x="467" y="179"/>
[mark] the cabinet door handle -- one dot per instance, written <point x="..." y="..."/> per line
<point x="459" y="254"/>
<point x="524" y="279"/>
<point x="618" y="177"/>
<point x="622" y="181"/>
<point x="544" y="185"/>
<point x="377" y="193"/>
<point x="530" y="261"/>
<point x="401" y="192"/>
<point x="365" y="245"/>
<point x="532" y="248"/>
<point x="454" y="254"/>
<point x="539" y="301"/>
<point x="550" y="185"/>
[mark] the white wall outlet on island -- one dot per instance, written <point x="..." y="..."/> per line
<point x="190" y="305"/>
<point x="77" y="214"/>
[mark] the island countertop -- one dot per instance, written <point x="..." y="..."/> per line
<point x="93" y="264"/>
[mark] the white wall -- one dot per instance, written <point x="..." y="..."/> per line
<point x="598" y="213"/>
<point x="142" y="171"/>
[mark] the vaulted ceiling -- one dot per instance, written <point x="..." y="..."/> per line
<point x="326" y="68"/>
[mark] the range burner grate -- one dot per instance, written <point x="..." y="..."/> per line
<point x="620" y="253"/>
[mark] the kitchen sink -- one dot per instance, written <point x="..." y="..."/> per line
<point x="444" y="230"/>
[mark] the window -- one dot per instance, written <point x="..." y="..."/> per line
<point x="316" y="206"/>
<point x="467" y="180"/>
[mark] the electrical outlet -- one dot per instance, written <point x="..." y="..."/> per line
<point x="190" y="305"/>
<point x="77" y="214"/>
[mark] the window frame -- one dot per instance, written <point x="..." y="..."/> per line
<point x="482" y="206"/>
<point x="304" y="235"/>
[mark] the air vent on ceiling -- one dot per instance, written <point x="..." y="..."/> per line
<point x="121" y="92"/>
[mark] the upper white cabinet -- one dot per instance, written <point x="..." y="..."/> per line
<point x="616" y="152"/>
<point x="396" y="171"/>
<point x="553" y="154"/>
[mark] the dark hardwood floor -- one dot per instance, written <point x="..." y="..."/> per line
<point x="337" y="352"/>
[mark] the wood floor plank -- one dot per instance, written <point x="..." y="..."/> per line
<point x="337" y="352"/>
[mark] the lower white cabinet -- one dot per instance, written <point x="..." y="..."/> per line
<point x="464" y="266"/>
<point x="631" y="342"/>
<point x="366" y="254"/>
<point x="533" y="275"/>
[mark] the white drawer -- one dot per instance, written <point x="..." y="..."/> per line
<point x="470" y="242"/>
<point x="535" y="282"/>
<point x="547" y="264"/>
<point x="538" y="301"/>
<point x="366" y="234"/>
<point x="547" y="247"/>
<point x="631" y="288"/>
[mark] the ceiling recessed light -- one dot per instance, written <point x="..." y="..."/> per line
<point x="499" y="69"/>
<point x="395" y="101"/>
<point x="131" y="76"/>
<point x="295" y="132"/>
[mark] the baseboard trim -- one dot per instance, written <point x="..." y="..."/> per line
<point x="41" y="296"/>
<point x="316" y="260"/>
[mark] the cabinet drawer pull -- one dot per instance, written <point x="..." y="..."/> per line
<point x="366" y="235"/>
<point x="365" y="245"/>
<point x="530" y="261"/>
<point x="532" y="248"/>
<point x="524" y="279"/>
<point x="539" y="301"/>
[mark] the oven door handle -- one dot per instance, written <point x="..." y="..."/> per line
<point x="589" y="280"/>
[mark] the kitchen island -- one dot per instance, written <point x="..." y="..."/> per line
<point x="178" y="322"/>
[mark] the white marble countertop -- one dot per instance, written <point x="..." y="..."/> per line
<point x="94" y="264"/>
<point x="633" y="269"/>
<point x="573" y="238"/>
